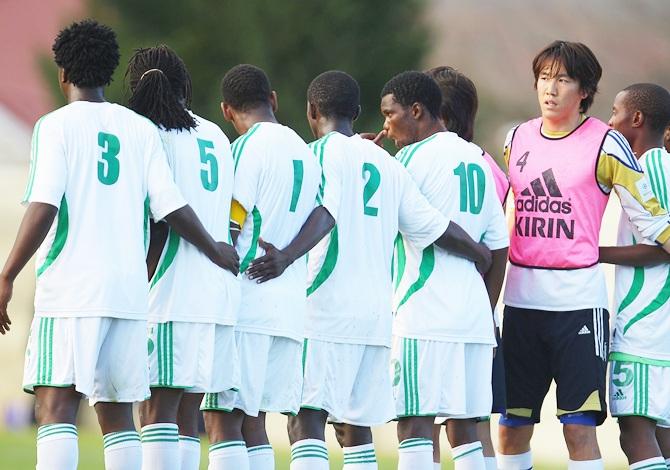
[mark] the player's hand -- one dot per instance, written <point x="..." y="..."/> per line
<point x="485" y="259"/>
<point x="270" y="265"/>
<point x="375" y="138"/>
<point x="227" y="258"/>
<point x="6" y="288"/>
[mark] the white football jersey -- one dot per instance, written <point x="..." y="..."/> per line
<point x="642" y="295"/>
<point x="440" y="296"/>
<point x="276" y="181"/>
<point x="104" y="167"/>
<point x="371" y="197"/>
<point x="187" y="286"/>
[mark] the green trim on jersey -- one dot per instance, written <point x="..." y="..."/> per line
<point x="635" y="288"/>
<point x="170" y="253"/>
<point x="329" y="263"/>
<point x="400" y="258"/>
<point x="34" y="147"/>
<point x="304" y="355"/>
<point x="60" y="238"/>
<point x="413" y="148"/>
<point x="45" y="350"/>
<point x="658" y="302"/>
<point x="411" y="375"/>
<point x="165" y="353"/>
<point x="253" y="247"/>
<point x="238" y="146"/>
<point x="623" y="357"/>
<point x="318" y="147"/>
<point x="657" y="177"/>
<point x="425" y="270"/>
<point x="146" y="223"/>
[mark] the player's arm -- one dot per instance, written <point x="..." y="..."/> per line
<point x="275" y="261"/>
<point x="634" y="255"/>
<point x="32" y="231"/>
<point x="494" y="277"/>
<point x="158" y="235"/>
<point x="459" y="243"/>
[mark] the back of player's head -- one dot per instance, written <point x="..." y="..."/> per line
<point x="88" y="53"/>
<point x="459" y="100"/>
<point x="160" y="87"/>
<point x="246" y="87"/>
<point x="653" y="101"/>
<point x="412" y="87"/>
<point x="335" y="94"/>
<point x="579" y="62"/>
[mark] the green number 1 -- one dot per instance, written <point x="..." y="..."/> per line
<point x="370" y="188"/>
<point x="473" y="184"/>
<point x="209" y="171"/>
<point x="108" y="163"/>
<point x="297" y="184"/>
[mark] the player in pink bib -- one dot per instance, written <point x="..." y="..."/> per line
<point x="562" y="168"/>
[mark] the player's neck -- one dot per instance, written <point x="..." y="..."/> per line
<point x="95" y="95"/>
<point x="343" y="126"/>
<point x="646" y="142"/>
<point x="429" y="128"/>
<point x="246" y="120"/>
<point x="562" y="124"/>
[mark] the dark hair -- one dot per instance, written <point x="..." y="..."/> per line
<point x="245" y="87"/>
<point x="579" y="62"/>
<point x="459" y="100"/>
<point x="160" y="87"/>
<point x="335" y="94"/>
<point x="412" y="87"/>
<point x="653" y="101"/>
<point x="88" y="53"/>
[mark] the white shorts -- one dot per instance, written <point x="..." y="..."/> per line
<point x="198" y="357"/>
<point x="104" y="358"/>
<point x="271" y="377"/>
<point x="349" y="381"/>
<point x="638" y="389"/>
<point x="439" y="378"/>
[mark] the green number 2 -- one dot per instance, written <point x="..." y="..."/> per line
<point x="108" y="163"/>
<point x="209" y="171"/>
<point x="473" y="185"/>
<point x="625" y="369"/>
<point x="370" y="188"/>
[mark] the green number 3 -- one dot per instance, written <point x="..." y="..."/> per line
<point x="108" y="163"/>
<point x="209" y="171"/>
<point x="370" y="188"/>
<point x="473" y="184"/>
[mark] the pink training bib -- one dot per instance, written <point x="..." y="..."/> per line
<point x="499" y="176"/>
<point x="558" y="204"/>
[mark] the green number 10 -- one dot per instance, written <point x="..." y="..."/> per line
<point x="108" y="163"/>
<point x="473" y="183"/>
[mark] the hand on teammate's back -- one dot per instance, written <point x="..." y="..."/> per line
<point x="227" y="257"/>
<point x="270" y="265"/>
<point x="5" y="296"/>
<point x="484" y="263"/>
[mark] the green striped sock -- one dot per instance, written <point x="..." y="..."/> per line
<point x="160" y="432"/>
<point x="120" y="439"/>
<point x="309" y="454"/>
<point x="360" y="457"/>
<point x="56" y="431"/>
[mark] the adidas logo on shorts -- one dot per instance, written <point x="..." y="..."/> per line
<point x="619" y="395"/>
<point x="584" y="331"/>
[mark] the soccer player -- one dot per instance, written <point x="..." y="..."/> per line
<point x="458" y="110"/>
<point x="192" y="304"/>
<point x="443" y="329"/>
<point x="563" y="167"/>
<point x="276" y="183"/>
<point x="97" y="170"/>
<point x="366" y="198"/>
<point x="640" y="357"/>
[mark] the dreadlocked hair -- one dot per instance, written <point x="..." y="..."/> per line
<point x="160" y="87"/>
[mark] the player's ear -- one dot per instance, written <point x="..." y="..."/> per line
<point x="62" y="75"/>
<point x="417" y="111"/>
<point x="638" y="119"/>
<point x="273" y="101"/>
<point x="311" y="111"/>
<point x="358" y="112"/>
<point x="227" y="111"/>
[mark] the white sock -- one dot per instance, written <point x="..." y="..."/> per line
<point x="309" y="454"/>
<point x="261" y="457"/>
<point x="490" y="463"/>
<point x="415" y="454"/>
<point x="160" y="447"/>
<point x="654" y="463"/>
<point x="57" y="447"/>
<point x="468" y="456"/>
<point x="228" y="455"/>
<point x="189" y="452"/>
<point x="360" y="457"/>
<point x="667" y="463"/>
<point x="123" y="450"/>
<point x="586" y="464"/>
<point x="515" y="461"/>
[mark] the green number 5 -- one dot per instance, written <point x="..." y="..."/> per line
<point x="622" y="375"/>
<point x="209" y="171"/>
<point x="108" y="163"/>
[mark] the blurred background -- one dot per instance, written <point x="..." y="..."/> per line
<point x="492" y="42"/>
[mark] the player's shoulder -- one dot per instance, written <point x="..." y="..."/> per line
<point x="656" y="161"/>
<point x="208" y="128"/>
<point x="616" y="146"/>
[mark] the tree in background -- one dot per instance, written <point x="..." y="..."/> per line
<point x="293" y="41"/>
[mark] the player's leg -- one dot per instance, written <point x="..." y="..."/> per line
<point x="484" y="436"/>
<point x="188" y="420"/>
<point x="415" y="437"/>
<point x="307" y="424"/>
<point x="356" y="441"/>
<point x="663" y="431"/>
<point x="159" y="430"/>
<point x="499" y="406"/>
<point x="227" y="449"/>
<point x="527" y="379"/>
<point x="120" y="438"/>
<point x="638" y="441"/>
<point x="56" y="415"/>
<point x="437" y="458"/>
<point x="466" y="448"/>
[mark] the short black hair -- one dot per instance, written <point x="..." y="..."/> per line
<point x="88" y="53"/>
<point x="335" y="94"/>
<point x="653" y="101"/>
<point x="459" y="100"/>
<point x="412" y="87"/>
<point x="245" y="87"/>
<point x="580" y="63"/>
<point x="161" y="87"/>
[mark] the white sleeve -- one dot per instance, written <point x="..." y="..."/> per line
<point x="164" y="195"/>
<point x="48" y="166"/>
<point x="247" y="175"/>
<point x="418" y="221"/>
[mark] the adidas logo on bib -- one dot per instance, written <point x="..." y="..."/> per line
<point x="619" y="395"/>
<point x="584" y="331"/>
